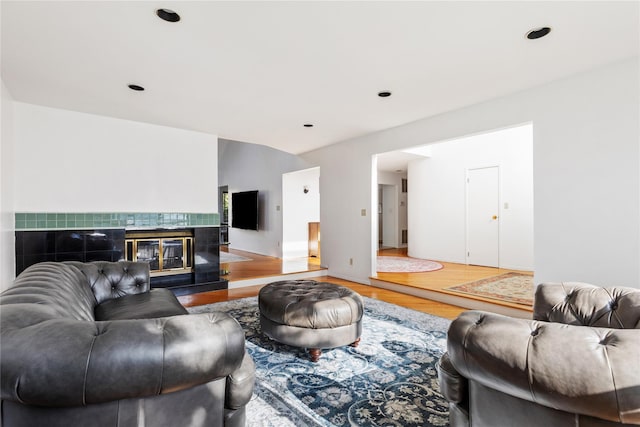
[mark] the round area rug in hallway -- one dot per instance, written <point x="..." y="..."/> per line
<point x="393" y="264"/>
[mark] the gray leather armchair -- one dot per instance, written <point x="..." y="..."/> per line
<point x="576" y="364"/>
<point x="92" y="344"/>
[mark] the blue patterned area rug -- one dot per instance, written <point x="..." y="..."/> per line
<point x="388" y="380"/>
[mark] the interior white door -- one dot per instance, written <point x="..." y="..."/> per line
<point x="389" y="216"/>
<point x="483" y="220"/>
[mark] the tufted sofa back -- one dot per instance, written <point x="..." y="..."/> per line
<point x="68" y="290"/>
<point x="109" y="280"/>
<point x="582" y="304"/>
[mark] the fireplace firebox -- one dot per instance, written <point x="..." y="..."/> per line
<point x="168" y="253"/>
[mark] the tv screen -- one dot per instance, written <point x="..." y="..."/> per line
<point x="244" y="210"/>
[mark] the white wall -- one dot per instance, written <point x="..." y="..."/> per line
<point x="586" y="164"/>
<point x="74" y="162"/>
<point x="298" y="210"/>
<point x="7" y="211"/>
<point x="346" y="190"/>
<point x="244" y="167"/>
<point x="437" y="213"/>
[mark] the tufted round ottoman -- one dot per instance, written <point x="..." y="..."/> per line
<point x="310" y="314"/>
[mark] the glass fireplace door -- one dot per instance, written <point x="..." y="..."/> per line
<point x="172" y="253"/>
<point x="149" y="251"/>
<point x="165" y="255"/>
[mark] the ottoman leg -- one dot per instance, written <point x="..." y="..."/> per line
<point x="355" y="343"/>
<point x="315" y="354"/>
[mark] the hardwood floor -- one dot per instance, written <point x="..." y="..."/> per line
<point x="404" y="300"/>
<point x="452" y="274"/>
<point x="264" y="266"/>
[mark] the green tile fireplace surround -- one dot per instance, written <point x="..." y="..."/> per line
<point x="85" y="237"/>
<point x="128" y="220"/>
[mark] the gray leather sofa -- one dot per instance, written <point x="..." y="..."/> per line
<point x="576" y="364"/>
<point x="92" y="345"/>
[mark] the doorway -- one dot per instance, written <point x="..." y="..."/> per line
<point x="387" y="216"/>
<point x="300" y="207"/>
<point x="223" y="208"/>
<point x="437" y="203"/>
<point x="483" y="221"/>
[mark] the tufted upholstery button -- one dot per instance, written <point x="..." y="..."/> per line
<point x="613" y="305"/>
<point x="535" y="332"/>
<point x="607" y="339"/>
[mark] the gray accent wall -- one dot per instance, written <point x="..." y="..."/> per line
<point x="245" y="167"/>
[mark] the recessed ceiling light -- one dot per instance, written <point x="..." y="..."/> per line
<point x="384" y="94"/>
<point x="538" y="33"/>
<point x="136" y="88"/>
<point x="168" y="15"/>
<point x="308" y="125"/>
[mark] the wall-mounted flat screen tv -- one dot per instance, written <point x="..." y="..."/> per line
<point x="244" y="210"/>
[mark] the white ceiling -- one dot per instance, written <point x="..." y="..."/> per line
<point x="257" y="71"/>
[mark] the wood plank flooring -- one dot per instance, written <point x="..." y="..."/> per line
<point x="264" y="266"/>
<point x="452" y="274"/>
<point x="404" y="300"/>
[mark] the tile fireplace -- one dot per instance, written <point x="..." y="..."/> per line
<point x="185" y="260"/>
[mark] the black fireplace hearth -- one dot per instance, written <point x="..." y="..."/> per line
<point x="183" y="260"/>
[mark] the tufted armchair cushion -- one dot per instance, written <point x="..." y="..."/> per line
<point x="110" y="280"/>
<point x="552" y="371"/>
<point x="582" y="304"/>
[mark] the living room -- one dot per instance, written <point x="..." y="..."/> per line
<point x="76" y="139"/>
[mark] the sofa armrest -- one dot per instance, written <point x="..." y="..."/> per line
<point x="240" y="384"/>
<point x="65" y="362"/>
<point x="453" y="386"/>
<point x="576" y="369"/>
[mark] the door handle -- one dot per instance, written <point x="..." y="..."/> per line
<point x="494" y="217"/>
